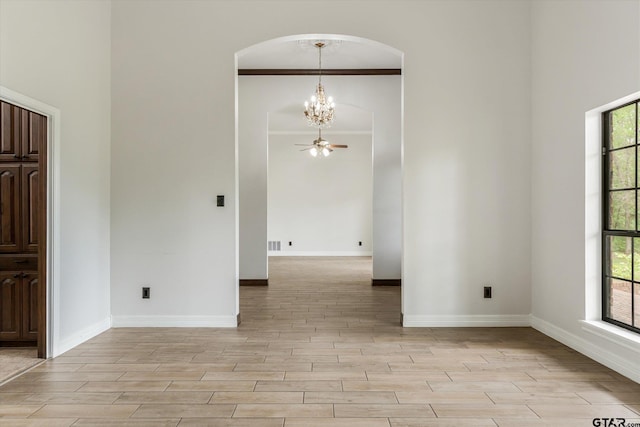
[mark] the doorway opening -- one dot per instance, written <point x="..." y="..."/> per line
<point x="320" y="205"/>
<point x="279" y="74"/>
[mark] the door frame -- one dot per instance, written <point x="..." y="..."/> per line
<point x="49" y="276"/>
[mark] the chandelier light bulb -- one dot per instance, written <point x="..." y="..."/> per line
<point x="314" y="151"/>
<point x="326" y="152"/>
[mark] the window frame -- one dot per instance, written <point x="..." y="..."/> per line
<point x="606" y="232"/>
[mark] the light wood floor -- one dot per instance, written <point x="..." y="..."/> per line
<point x="319" y="347"/>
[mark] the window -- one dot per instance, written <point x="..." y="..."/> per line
<point x="621" y="224"/>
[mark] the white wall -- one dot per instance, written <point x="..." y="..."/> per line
<point x="380" y="95"/>
<point x="466" y="149"/>
<point x="59" y="53"/>
<point x="172" y="154"/>
<point x="466" y="164"/>
<point x="585" y="54"/>
<point x="322" y="205"/>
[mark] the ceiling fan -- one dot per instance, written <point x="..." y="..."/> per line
<point x="321" y="146"/>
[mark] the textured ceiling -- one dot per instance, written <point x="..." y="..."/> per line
<point x="293" y="53"/>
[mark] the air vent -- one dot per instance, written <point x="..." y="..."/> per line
<point x="274" y="245"/>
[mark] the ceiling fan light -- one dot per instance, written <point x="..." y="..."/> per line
<point x="321" y="146"/>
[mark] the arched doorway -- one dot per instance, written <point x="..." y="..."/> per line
<point x="278" y="73"/>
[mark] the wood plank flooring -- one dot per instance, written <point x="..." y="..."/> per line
<point x="319" y="347"/>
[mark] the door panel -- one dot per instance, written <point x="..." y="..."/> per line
<point x="30" y="208"/>
<point x="25" y="132"/>
<point x="9" y="132"/>
<point x="10" y="307"/>
<point x="37" y="135"/>
<point x="30" y="306"/>
<point x="10" y="236"/>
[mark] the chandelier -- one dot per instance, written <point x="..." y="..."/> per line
<point x="319" y="109"/>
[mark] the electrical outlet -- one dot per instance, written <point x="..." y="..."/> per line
<point x="146" y="293"/>
<point x="487" y="291"/>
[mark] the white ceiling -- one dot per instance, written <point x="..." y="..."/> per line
<point x="301" y="53"/>
<point x="339" y="52"/>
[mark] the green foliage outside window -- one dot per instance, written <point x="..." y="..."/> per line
<point x="622" y="169"/>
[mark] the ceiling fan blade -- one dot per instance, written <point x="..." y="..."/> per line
<point x="304" y="145"/>
<point x="305" y="149"/>
<point x="338" y="146"/>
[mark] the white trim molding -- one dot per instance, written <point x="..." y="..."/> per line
<point x="81" y="336"/>
<point x="463" y="320"/>
<point x="175" y="321"/>
<point x="613" y="334"/>
<point x="598" y="353"/>
<point x="319" y="253"/>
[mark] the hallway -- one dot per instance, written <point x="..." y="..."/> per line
<point x="319" y="347"/>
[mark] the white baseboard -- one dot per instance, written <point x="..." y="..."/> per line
<point x="78" y="338"/>
<point x="608" y="358"/>
<point x="464" y="321"/>
<point x="319" y="253"/>
<point x="174" y="321"/>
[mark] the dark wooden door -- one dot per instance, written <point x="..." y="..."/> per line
<point x="23" y="195"/>
<point x="29" y="306"/>
<point x="10" y="232"/>
<point x="10" y="306"/>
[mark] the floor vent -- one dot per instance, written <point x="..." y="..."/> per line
<point x="273" y="245"/>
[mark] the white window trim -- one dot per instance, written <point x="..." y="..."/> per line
<point x="593" y="322"/>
